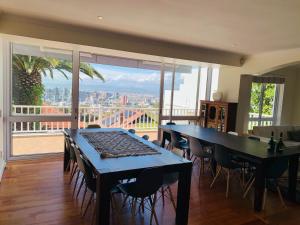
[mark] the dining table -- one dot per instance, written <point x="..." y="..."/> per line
<point x="253" y="151"/>
<point x="111" y="170"/>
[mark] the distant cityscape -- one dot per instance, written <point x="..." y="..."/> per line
<point x="62" y="97"/>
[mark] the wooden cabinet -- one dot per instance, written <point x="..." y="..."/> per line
<point x="218" y="115"/>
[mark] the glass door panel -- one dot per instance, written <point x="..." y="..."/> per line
<point x="185" y="91"/>
<point x="41" y="98"/>
<point x="125" y="94"/>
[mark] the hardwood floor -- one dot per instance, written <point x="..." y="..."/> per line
<point x="37" y="193"/>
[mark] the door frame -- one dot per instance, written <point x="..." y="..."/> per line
<point x="9" y="118"/>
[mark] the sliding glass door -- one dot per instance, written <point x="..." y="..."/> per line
<point x="40" y="90"/>
<point x="124" y="94"/>
<point x="49" y="89"/>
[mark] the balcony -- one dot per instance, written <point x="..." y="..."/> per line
<point x="46" y="137"/>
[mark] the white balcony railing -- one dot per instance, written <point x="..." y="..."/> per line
<point x="254" y="120"/>
<point x="124" y="117"/>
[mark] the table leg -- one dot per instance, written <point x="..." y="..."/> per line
<point x="103" y="200"/>
<point x="293" y="173"/>
<point x="66" y="157"/>
<point x="183" y="195"/>
<point x="260" y="179"/>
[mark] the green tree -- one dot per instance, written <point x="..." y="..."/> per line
<point x="268" y="98"/>
<point x="27" y="76"/>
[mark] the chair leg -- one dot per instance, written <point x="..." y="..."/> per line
<point x="171" y="197"/>
<point x="79" y="189"/>
<point x="74" y="172"/>
<point x="280" y="197"/>
<point x="88" y="205"/>
<point x="202" y="165"/>
<point x="153" y="213"/>
<point x="83" y="199"/>
<point x="215" y="178"/>
<point x="228" y="183"/>
<point x="68" y="165"/>
<point x="124" y="202"/>
<point x="265" y="198"/>
<point x="163" y="195"/>
<point x="77" y="178"/>
<point x="248" y="187"/>
<point x="94" y="216"/>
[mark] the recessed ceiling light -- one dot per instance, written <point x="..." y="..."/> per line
<point x="100" y="17"/>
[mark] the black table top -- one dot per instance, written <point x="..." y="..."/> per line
<point x="128" y="163"/>
<point x="238" y="144"/>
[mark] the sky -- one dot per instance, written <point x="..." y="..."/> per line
<point x="121" y="79"/>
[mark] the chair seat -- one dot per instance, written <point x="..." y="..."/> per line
<point x="182" y="144"/>
<point x="204" y="155"/>
<point x="127" y="188"/>
<point x="170" y="178"/>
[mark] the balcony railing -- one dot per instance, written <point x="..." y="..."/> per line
<point x="143" y="119"/>
<point x="254" y="120"/>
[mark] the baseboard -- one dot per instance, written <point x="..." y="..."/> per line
<point x="2" y="168"/>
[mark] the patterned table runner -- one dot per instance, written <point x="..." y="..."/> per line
<point x="117" y="144"/>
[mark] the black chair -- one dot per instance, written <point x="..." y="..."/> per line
<point x="73" y="160"/>
<point x="80" y="171"/>
<point x="168" y="136"/>
<point x="274" y="171"/>
<point x="131" y="131"/>
<point x="67" y="146"/>
<point x="179" y="143"/>
<point x="168" y="180"/>
<point x="200" y="151"/>
<point x="90" y="182"/>
<point x="225" y="162"/>
<point x="146" y="185"/>
<point x="146" y="137"/>
<point x="91" y="126"/>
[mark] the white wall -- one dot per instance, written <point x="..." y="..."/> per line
<point x="290" y="103"/>
<point x="229" y="80"/>
<point x="2" y="163"/>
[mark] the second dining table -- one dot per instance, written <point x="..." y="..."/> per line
<point x="254" y="151"/>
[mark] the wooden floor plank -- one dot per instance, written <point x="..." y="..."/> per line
<point x="37" y="192"/>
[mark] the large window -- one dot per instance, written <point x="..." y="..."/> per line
<point x="50" y="89"/>
<point x="126" y="94"/>
<point x="263" y="107"/>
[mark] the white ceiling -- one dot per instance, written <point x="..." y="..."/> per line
<point x="241" y="26"/>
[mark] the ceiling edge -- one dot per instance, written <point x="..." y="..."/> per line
<point x="54" y="31"/>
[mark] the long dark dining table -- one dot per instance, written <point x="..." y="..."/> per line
<point x="254" y="151"/>
<point x="110" y="170"/>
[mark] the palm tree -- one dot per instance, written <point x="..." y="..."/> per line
<point x="28" y="71"/>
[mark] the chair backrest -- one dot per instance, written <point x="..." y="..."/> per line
<point x="146" y="137"/>
<point x="156" y="142"/>
<point x="170" y="123"/>
<point x="72" y="152"/>
<point x="67" y="143"/>
<point x="222" y="156"/>
<point x="78" y="158"/>
<point x="254" y="138"/>
<point x="88" y="174"/>
<point x="90" y="126"/>
<point x="196" y="146"/>
<point x="276" y="168"/>
<point x="148" y="182"/>
<point x="175" y="139"/>
<point x="131" y="131"/>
